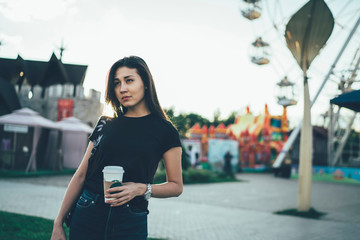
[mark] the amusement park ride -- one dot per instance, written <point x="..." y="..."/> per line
<point x="260" y="50"/>
<point x="260" y="138"/>
<point x="263" y="140"/>
<point x="259" y="54"/>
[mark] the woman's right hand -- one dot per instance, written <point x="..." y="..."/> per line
<point x="58" y="233"/>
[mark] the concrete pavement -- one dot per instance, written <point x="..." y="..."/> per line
<point x="241" y="210"/>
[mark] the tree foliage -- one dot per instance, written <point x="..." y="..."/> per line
<point x="184" y="121"/>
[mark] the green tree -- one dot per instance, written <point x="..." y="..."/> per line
<point x="184" y="121"/>
<point x="216" y="120"/>
<point x="231" y="118"/>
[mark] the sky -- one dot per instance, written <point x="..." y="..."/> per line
<point x="197" y="50"/>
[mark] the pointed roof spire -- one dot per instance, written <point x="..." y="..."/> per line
<point x="62" y="49"/>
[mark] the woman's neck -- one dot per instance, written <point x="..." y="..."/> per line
<point x="137" y="112"/>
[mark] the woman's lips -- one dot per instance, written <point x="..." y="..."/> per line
<point x="125" y="98"/>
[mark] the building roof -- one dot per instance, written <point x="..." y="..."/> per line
<point x="320" y="131"/>
<point x="8" y="98"/>
<point x="41" y="73"/>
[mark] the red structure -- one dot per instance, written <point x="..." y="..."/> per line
<point x="65" y="108"/>
<point x="260" y="137"/>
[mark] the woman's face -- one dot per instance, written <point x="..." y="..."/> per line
<point x="129" y="88"/>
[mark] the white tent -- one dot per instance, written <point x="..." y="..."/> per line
<point x="27" y="117"/>
<point x="18" y="122"/>
<point x="74" y="125"/>
<point x="74" y="140"/>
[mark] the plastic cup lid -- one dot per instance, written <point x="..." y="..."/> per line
<point x="113" y="169"/>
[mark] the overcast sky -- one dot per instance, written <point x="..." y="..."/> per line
<point x="197" y="50"/>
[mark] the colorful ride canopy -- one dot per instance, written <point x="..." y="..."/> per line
<point x="349" y="100"/>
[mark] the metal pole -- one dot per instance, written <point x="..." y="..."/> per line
<point x="305" y="161"/>
<point x="342" y="143"/>
<point x="14" y="155"/>
<point x="280" y="158"/>
<point x="330" y="135"/>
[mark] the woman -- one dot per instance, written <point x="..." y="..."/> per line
<point x="136" y="138"/>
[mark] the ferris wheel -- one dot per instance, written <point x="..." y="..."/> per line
<point x="268" y="20"/>
<point x="342" y="72"/>
<point x="252" y="9"/>
<point x="286" y="96"/>
<point x="260" y="52"/>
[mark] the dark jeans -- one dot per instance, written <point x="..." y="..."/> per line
<point x="94" y="219"/>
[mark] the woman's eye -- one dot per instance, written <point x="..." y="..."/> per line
<point x="129" y="80"/>
<point x="116" y="83"/>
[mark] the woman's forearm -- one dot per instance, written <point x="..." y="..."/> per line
<point x="166" y="189"/>
<point x="75" y="187"/>
<point x="162" y="190"/>
<point x="71" y="195"/>
<point x="173" y="187"/>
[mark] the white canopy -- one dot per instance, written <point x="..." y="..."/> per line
<point x="73" y="124"/>
<point x="74" y="141"/>
<point x="27" y="117"/>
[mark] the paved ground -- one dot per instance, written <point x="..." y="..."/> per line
<point x="242" y="210"/>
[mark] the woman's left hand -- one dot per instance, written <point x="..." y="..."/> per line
<point x="124" y="193"/>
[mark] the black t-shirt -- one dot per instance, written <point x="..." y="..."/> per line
<point x="137" y="144"/>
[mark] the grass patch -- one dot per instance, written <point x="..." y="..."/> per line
<point x="39" y="173"/>
<point x="192" y="176"/>
<point x="328" y="178"/>
<point x="254" y="170"/>
<point x="22" y="227"/>
<point x="312" y="213"/>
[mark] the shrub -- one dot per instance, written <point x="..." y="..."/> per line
<point x="160" y="176"/>
<point x="196" y="176"/>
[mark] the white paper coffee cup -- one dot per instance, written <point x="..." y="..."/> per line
<point x="111" y="175"/>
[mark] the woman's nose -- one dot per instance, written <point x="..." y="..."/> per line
<point x="123" y="88"/>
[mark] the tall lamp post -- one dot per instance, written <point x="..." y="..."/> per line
<point x="306" y="33"/>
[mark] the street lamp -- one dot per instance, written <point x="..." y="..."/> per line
<point x="306" y="33"/>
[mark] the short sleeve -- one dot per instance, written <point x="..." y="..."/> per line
<point x="98" y="128"/>
<point x="171" y="139"/>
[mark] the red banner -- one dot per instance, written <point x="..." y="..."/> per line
<point x="65" y="108"/>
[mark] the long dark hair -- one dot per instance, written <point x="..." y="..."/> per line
<point x="143" y="70"/>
